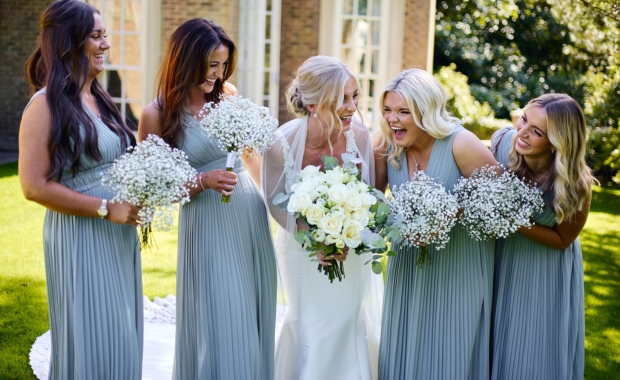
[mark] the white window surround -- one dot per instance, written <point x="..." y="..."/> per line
<point x="256" y="78"/>
<point x="150" y="50"/>
<point x="390" y="46"/>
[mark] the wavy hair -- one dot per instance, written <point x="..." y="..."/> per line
<point x="426" y="100"/>
<point x="571" y="177"/>
<point x="320" y="81"/>
<point x="185" y="66"/>
<point x="60" y="64"/>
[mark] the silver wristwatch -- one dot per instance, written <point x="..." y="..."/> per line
<point x="103" y="209"/>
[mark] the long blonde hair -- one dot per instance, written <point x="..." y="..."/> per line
<point x="570" y="177"/>
<point x="424" y="93"/>
<point x="320" y="81"/>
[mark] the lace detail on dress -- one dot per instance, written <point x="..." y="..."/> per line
<point x="289" y="163"/>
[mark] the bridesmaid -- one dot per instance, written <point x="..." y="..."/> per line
<point x="226" y="273"/>
<point x="70" y="133"/>
<point x="538" y="309"/>
<point x="437" y="318"/>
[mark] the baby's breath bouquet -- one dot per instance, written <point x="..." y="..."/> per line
<point x="240" y="127"/>
<point x="340" y="210"/>
<point x="425" y="213"/>
<point x="495" y="206"/>
<point x="154" y="176"/>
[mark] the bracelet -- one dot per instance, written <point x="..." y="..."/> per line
<point x="200" y="180"/>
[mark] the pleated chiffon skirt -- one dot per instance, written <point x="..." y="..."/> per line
<point x="437" y="317"/>
<point x="94" y="285"/>
<point x="538" y="316"/>
<point x="226" y="286"/>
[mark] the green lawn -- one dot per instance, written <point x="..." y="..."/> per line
<point x="23" y="302"/>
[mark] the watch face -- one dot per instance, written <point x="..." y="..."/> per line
<point x="103" y="211"/>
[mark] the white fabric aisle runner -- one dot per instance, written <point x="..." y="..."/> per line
<point x="159" y="330"/>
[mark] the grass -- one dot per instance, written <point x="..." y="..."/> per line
<point x="23" y="299"/>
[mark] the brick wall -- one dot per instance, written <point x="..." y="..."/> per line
<point x="224" y="13"/>
<point x="415" y="47"/>
<point x="299" y="40"/>
<point x="19" y="29"/>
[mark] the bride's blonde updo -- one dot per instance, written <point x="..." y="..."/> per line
<point x="320" y="81"/>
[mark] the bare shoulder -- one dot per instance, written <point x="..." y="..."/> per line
<point x="465" y="141"/>
<point x="150" y="122"/>
<point x="470" y="153"/>
<point x="230" y="88"/>
<point x="37" y="115"/>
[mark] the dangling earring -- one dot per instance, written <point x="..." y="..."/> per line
<point x="314" y="114"/>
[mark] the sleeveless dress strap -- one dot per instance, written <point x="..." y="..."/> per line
<point x="497" y="139"/>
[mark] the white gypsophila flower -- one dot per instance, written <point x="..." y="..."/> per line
<point x="154" y="176"/>
<point x="495" y="206"/>
<point x="428" y="212"/>
<point x="238" y="124"/>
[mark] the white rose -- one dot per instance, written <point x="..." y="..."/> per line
<point x="309" y="172"/>
<point x="314" y="213"/>
<point x="351" y="233"/>
<point x="362" y="187"/>
<point x="368" y="200"/>
<point x="336" y="194"/>
<point x="308" y="188"/>
<point x="330" y="224"/>
<point x="322" y="189"/>
<point x="339" y="212"/>
<point x="361" y="215"/>
<point x="299" y="202"/>
<point x="340" y="243"/>
<point x="352" y="201"/>
<point x="331" y="239"/>
<point x="334" y="176"/>
<point x="319" y="235"/>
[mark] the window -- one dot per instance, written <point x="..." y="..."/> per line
<point x="363" y="27"/>
<point x="133" y="30"/>
<point x="259" y="52"/>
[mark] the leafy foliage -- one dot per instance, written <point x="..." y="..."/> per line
<point x="513" y="51"/>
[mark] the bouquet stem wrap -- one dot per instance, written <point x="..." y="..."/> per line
<point x="230" y="164"/>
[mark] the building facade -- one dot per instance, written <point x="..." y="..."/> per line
<point x="377" y="38"/>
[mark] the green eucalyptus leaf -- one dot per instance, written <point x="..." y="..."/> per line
<point x="377" y="267"/>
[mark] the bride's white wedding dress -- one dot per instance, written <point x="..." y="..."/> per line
<point x="331" y="330"/>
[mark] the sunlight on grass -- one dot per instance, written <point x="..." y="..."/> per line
<point x="23" y="299"/>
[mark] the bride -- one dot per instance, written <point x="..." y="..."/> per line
<point x="331" y="330"/>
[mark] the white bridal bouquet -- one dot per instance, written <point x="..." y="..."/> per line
<point x="425" y="212"/>
<point x="239" y="126"/>
<point x="152" y="175"/>
<point x="340" y="211"/>
<point x="494" y="206"/>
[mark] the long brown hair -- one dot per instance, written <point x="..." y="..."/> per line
<point x="185" y="65"/>
<point x="60" y="64"/>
